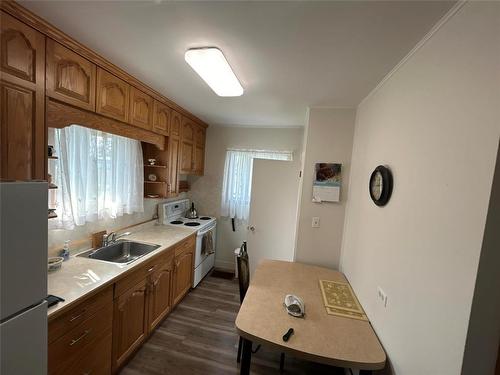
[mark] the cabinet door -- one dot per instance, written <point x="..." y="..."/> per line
<point x="160" y="294"/>
<point x="141" y="109"/>
<point x="161" y="118"/>
<point x="129" y="323"/>
<point x="187" y="162"/>
<point x="173" y="166"/>
<point x="187" y="133"/>
<point x="199" y="150"/>
<point x="112" y="96"/>
<point x="199" y="159"/>
<point x="22" y="99"/>
<point x="199" y="135"/>
<point x="182" y="275"/>
<point x="175" y="124"/>
<point x="70" y="77"/>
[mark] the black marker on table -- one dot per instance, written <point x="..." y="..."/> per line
<point x="287" y="335"/>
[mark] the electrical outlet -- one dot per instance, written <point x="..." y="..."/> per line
<point x="315" y="222"/>
<point x="382" y="296"/>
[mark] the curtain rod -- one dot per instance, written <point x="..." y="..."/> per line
<point x="256" y="150"/>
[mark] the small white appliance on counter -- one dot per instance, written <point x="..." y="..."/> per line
<point x="23" y="277"/>
<point x="173" y="213"/>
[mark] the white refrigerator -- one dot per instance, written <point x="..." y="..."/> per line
<point x="23" y="278"/>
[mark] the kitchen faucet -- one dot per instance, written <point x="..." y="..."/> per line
<point x="108" y="239"/>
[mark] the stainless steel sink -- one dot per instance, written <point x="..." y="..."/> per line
<point x="123" y="252"/>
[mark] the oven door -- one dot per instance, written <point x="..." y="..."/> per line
<point x="205" y="244"/>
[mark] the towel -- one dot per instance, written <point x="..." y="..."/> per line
<point x="207" y="243"/>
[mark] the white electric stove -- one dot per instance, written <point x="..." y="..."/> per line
<point x="173" y="213"/>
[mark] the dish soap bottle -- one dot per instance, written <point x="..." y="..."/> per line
<point x="65" y="250"/>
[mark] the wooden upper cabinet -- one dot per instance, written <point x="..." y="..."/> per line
<point x="112" y="96"/>
<point x="22" y="50"/>
<point x="161" y="118"/>
<point x="173" y="166"/>
<point x="186" y="160"/>
<point x="192" y="157"/>
<point x="141" y="109"/>
<point x="199" y="135"/>
<point x="22" y="96"/>
<point x="175" y="124"/>
<point x="70" y="78"/>
<point x="199" y="159"/>
<point x="187" y="133"/>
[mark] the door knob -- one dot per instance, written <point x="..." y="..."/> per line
<point x="252" y="228"/>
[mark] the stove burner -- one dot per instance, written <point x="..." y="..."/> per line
<point x="176" y="222"/>
<point x="205" y="218"/>
<point x="192" y="224"/>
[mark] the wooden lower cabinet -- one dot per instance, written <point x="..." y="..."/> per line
<point x="129" y="322"/>
<point x="160" y="292"/>
<point x="159" y="285"/>
<point x="183" y="270"/>
<point x="74" y="352"/>
<point x="101" y="333"/>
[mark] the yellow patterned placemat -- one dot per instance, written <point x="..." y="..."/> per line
<point x="339" y="299"/>
<point x="346" y="314"/>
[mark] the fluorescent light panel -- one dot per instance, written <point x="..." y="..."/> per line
<point x="213" y="68"/>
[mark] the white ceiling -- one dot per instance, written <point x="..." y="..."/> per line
<point x="287" y="55"/>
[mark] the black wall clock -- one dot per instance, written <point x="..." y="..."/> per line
<point x="381" y="185"/>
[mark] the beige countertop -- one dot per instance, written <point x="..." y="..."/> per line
<point x="80" y="276"/>
<point x="318" y="336"/>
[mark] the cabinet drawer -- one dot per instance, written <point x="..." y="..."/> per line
<point x="96" y="360"/>
<point x="82" y="311"/>
<point x="185" y="246"/>
<point x="76" y="343"/>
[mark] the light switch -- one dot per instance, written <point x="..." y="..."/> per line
<point x="315" y="222"/>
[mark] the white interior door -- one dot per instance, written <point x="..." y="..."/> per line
<point x="273" y="211"/>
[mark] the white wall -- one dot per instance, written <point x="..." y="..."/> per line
<point x="328" y="139"/>
<point x="483" y="335"/>
<point x="206" y="190"/>
<point x="436" y="123"/>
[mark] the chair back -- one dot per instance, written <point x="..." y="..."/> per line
<point x="243" y="271"/>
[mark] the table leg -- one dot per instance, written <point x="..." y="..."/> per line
<point x="246" y="357"/>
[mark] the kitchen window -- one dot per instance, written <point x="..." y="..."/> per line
<point x="98" y="176"/>
<point x="237" y="183"/>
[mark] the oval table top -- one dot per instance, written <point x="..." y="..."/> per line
<point x="318" y="337"/>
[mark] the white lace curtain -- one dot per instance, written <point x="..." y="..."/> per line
<point x="99" y="175"/>
<point x="237" y="183"/>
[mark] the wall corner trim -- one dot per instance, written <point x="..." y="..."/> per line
<point x="453" y="10"/>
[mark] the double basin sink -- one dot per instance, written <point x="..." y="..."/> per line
<point x="122" y="252"/>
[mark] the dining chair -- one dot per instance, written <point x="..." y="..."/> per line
<point x="244" y="282"/>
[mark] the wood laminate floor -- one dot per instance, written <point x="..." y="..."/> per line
<point x="199" y="337"/>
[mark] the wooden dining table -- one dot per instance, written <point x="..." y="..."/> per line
<point x="318" y="337"/>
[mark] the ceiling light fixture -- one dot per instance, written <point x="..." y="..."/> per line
<point x="213" y="68"/>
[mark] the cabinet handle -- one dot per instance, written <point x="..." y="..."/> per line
<point x="74" y="341"/>
<point x="151" y="269"/>
<point x="73" y="318"/>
